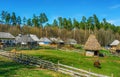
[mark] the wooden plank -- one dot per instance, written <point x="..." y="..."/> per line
<point x="81" y="70"/>
<point x="74" y="73"/>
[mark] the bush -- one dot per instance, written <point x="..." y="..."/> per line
<point x="77" y="46"/>
<point x="9" y="48"/>
<point x="105" y="52"/>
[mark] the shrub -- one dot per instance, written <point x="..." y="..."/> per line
<point x="77" y="46"/>
<point x="105" y="52"/>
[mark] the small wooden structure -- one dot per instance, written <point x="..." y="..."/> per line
<point x="92" y="46"/>
<point x="118" y="48"/>
<point x="114" y="45"/>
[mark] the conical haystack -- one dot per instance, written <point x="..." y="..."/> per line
<point x="92" y="44"/>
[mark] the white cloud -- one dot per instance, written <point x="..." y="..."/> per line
<point x="115" y="22"/>
<point x="115" y="6"/>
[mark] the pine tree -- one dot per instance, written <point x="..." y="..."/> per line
<point x="13" y="18"/>
<point x="29" y="22"/>
<point x="76" y="24"/>
<point x="7" y="19"/>
<point x="35" y="21"/>
<point x="55" y="23"/>
<point x="3" y="16"/>
<point x="24" y="20"/>
<point x="19" y="20"/>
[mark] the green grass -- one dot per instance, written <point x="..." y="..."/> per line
<point x="9" y="68"/>
<point x="110" y="65"/>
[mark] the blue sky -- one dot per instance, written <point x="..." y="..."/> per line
<point x="109" y="9"/>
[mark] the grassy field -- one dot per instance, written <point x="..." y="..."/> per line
<point x="9" y="68"/>
<point x="110" y="65"/>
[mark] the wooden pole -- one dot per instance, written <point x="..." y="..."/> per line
<point x="112" y="75"/>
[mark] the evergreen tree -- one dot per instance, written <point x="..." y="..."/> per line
<point x="55" y="23"/>
<point x="3" y="16"/>
<point x="19" y="20"/>
<point x="76" y="24"/>
<point x="83" y="21"/>
<point x="90" y="22"/>
<point x="60" y="22"/>
<point x="29" y="22"/>
<point x="43" y="18"/>
<point x="24" y="20"/>
<point x="7" y="19"/>
<point x="65" y="23"/>
<point x="69" y="24"/>
<point x="35" y="21"/>
<point x="96" y="22"/>
<point x="13" y="18"/>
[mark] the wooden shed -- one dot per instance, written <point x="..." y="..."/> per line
<point x="118" y="48"/>
<point x="92" y="46"/>
<point x="114" y="45"/>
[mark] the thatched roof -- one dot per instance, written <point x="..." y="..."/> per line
<point x="92" y="43"/>
<point x="115" y="43"/>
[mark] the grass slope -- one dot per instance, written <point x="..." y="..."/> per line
<point x="110" y="65"/>
<point x="9" y="68"/>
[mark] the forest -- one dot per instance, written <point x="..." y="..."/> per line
<point x="61" y="27"/>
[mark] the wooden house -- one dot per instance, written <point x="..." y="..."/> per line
<point x="114" y="45"/>
<point x="6" y="39"/>
<point x="28" y="39"/>
<point x="53" y="41"/>
<point x="44" y="41"/>
<point x="71" y="41"/>
<point x="92" y="46"/>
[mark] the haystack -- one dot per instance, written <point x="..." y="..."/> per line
<point x="92" y="46"/>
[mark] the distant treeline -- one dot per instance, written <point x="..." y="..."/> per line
<point x="61" y="27"/>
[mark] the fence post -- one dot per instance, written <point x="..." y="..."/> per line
<point x="112" y="75"/>
<point x="58" y="66"/>
<point x="9" y="55"/>
<point x="89" y="69"/>
<point x="72" y="65"/>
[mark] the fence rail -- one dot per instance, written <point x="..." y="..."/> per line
<point x="78" y="72"/>
<point x="30" y="60"/>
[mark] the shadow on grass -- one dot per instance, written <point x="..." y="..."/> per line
<point x="9" y="68"/>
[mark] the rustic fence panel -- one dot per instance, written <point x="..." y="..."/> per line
<point x="30" y="60"/>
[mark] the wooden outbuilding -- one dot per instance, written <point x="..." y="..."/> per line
<point x="114" y="45"/>
<point x="6" y="39"/>
<point x="92" y="46"/>
<point x="118" y="48"/>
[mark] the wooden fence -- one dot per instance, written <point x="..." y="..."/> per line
<point x="75" y="72"/>
<point x="30" y="60"/>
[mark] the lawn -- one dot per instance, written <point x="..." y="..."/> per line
<point x="110" y="65"/>
<point x="9" y="68"/>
